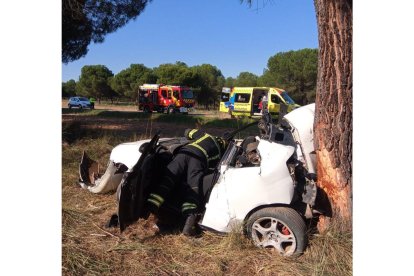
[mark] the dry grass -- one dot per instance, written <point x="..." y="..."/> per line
<point x="88" y="248"/>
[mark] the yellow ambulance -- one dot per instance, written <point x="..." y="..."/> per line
<point x="247" y="101"/>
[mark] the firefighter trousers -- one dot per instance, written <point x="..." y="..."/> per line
<point x="187" y="171"/>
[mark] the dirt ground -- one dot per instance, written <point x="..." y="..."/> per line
<point x="137" y="127"/>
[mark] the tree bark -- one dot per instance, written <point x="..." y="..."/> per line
<point x="333" y="114"/>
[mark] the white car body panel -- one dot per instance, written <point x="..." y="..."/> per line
<point x="301" y="119"/>
<point x="240" y="190"/>
<point x="125" y="153"/>
<point x="128" y="153"/>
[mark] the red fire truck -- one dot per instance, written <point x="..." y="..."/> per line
<point x="165" y="98"/>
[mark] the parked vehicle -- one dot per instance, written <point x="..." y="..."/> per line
<point x="80" y="102"/>
<point x="225" y="102"/>
<point x="264" y="185"/>
<point x="183" y="98"/>
<point x="246" y="100"/>
<point x="165" y="98"/>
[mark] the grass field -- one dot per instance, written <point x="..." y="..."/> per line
<point x="88" y="248"/>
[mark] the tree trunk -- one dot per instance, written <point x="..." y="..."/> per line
<point x="333" y="114"/>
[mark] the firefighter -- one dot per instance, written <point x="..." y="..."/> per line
<point x="187" y="170"/>
<point x="92" y="101"/>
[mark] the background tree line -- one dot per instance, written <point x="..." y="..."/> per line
<point x="294" y="71"/>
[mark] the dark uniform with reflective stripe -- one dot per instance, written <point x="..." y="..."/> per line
<point x="188" y="168"/>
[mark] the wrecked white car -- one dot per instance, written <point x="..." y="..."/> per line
<point x="264" y="185"/>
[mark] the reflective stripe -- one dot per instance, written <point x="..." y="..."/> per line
<point x="200" y="148"/>
<point x="190" y="135"/>
<point x="214" y="157"/>
<point x="195" y="144"/>
<point x="202" y="139"/>
<point x="188" y="206"/>
<point x="157" y="198"/>
<point x="156" y="203"/>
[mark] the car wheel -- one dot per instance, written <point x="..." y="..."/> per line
<point x="80" y="106"/>
<point x="170" y="110"/>
<point x="278" y="228"/>
<point x="147" y="110"/>
<point x="70" y="107"/>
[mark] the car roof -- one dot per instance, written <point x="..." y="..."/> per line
<point x="78" y="97"/>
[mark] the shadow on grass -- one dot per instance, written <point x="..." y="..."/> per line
<point x="73" y="130"/>
<point x="76" y="111"/>
<point x="163" y="118"/>
<point x="105" y="113"/>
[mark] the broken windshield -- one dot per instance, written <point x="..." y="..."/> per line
<point x="286" y="97"/>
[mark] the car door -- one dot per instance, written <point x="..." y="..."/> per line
<point x="274" y="103"/>
<point x="242" y="102"/>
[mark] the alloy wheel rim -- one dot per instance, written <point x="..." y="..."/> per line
<point x="269" y="232"/>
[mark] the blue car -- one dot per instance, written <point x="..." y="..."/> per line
<point x="79" y="102"/>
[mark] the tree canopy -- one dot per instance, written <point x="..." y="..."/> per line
<point x="294" y="71"/>
<point x="84" y="21"/>
<point x="127" y="81"/>
<point x="175" y="74"/>
<point x="210" y="80"/>
<point x="246" y="79"/>
<point x="69" y="88"/>
<point x="94" y="82"/>
<point x="229" y="82"/>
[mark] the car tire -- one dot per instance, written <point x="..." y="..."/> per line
<point x="80" y="106"/>
<point x="147" y="110"/>
<point x="70" y="106"/>
<point x="279" y="228"/>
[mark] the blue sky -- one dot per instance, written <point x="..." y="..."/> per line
<point x="224" y="33"/>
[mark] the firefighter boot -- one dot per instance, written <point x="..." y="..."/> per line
<point x="190" y="225"/>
